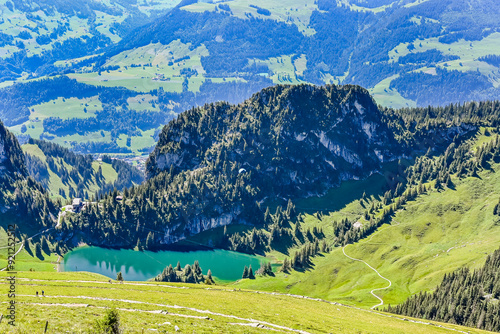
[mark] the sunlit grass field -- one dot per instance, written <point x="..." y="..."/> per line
<point x="74" y="301"/>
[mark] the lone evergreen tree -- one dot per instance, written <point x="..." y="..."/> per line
<point x="150" y="241"/>
<point x="110" y="324"/>
<point x="38" y="250"/>
<point x="209" y="280"/>
<point x="45" y="245"/>
<point x="286" y="267"/>
<point x="119" y="277"/>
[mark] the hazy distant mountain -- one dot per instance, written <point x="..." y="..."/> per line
<point x="406" y="53"/>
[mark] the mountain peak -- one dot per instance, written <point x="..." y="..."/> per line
<point x="321" y="134"/>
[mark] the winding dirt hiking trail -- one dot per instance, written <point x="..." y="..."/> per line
<point x="375" y="270"/>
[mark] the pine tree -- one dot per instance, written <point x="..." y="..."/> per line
<point x="119" y="277"/>
<point x="150" y="241"/>
<point x="196" y="268"/>
<point x="245" y="272"/>
<point x="290" y="210"/>
<point x="45" y="245"/>
<point x="250" y="273"/>
<point x="38" y="250"/>
<point x="286" y="267"/>
<point x="448" y="182"/>
<point x="139" y="244"/>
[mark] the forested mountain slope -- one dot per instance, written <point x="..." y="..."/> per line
<point x="70" y="175"/>
<point x="465" y="297"/>
<point x="22" y="199"/>
<point x="214" y="166"/>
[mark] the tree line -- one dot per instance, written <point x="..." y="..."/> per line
<point x="464" y="297"/>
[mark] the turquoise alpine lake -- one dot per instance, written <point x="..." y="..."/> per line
<point x="141" y="266"/>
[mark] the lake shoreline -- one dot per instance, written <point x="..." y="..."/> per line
<point x="145" y="265"/>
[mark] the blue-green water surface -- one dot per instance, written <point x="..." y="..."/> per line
<point x="141" y="266"/>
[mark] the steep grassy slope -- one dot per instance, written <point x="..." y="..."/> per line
<point x="432" y="235"/>
<point x="83" y="298"/>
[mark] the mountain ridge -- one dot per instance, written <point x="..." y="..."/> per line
<point x="221" y="164"/>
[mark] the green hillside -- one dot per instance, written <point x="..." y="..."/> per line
<point x="432" y="235"/>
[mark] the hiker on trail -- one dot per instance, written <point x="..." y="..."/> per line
<point x="43" y="293"/>
<point x="37" y="293"/>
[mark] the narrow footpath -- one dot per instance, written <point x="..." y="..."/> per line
<point x="375" y="270"/>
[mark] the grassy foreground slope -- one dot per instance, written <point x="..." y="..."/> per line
<point x="74" y="301"/>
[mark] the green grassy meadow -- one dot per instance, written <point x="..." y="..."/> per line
<point x="433" y="235"/>
<point x="157" y="307"/>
